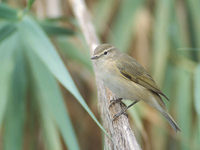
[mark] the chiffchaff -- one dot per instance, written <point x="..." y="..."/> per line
<point x="127" y="79"/>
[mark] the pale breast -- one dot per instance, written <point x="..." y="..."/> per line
<point x="120" y="86"/>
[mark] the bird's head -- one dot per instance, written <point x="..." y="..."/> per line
<point x="104" y="52"/>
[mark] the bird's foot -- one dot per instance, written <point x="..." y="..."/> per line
<point x="123" y="112"/>
<point x="114" y="101"/>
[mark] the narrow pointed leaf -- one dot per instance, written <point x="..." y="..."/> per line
<point x="160" y="41"/>
<point x="7" y="13"/>
<point x="194" y="6"/>
<point x="196" y="90"/>
<point x="53" y="29"/>
<point x="38" y="42"/>
<point x="6" y="31"/>
<point x="197" y="104"/>
<point x="72" y="51"/>
<point x="51" y="135"/>
<point x="184" y="107"/>
<point x="15" y="114"/>
<point x="51" y="100"/>
<point x="7" y="49"/>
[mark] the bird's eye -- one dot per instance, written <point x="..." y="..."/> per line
<point x="105" y="53"/>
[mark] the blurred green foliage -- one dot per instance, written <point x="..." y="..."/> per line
<point x="30" y="48"/>
<point x="34" y="108"/>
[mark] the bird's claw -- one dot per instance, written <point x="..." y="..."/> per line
<point x="119" y="114"/>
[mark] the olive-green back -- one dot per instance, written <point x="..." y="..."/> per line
<point x="133" y="71"/>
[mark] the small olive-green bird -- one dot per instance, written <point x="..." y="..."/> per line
<point x="127" y="79"/>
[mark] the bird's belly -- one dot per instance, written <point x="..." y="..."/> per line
<point x="124" y="88"/>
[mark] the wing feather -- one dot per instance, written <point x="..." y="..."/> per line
<point x="136" y="73"/>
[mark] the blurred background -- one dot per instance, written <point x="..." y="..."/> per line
<point x="39" y="102"/>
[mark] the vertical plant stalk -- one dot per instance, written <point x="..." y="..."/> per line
<point x="122" y="137"/>
<point x="53" y="8"/>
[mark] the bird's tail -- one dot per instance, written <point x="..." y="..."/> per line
<point x="171" y="121"/>
<point x="159" y="105"/>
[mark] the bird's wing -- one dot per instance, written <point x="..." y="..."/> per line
<point x="135" y="72"/>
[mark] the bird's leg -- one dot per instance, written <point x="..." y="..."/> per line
<point x="114" y="101"/>
<point x="123" y="111"/>
<point x="131" y="105"/>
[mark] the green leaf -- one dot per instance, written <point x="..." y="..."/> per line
<point x="178" y="33"/>
<point x="160" y="40"/>
<point x="101" y="19"/>
<point x="7" y="13"/>
<point x="194" y="6"/>
<point x="30" y="3"/>
<point x="123" y="25"/>
<point x="6" y="31"/>
<point x="52" y="105"/>
<point x="196" y="137"/>
<point x="197" y="104"/>
<point x="167" y="89"/>
<point x="15" y="114"/>
<point x="73" y="52"/>
<point x="58" y="19"/>
<point x="53" y="29"/>
<point x="6" y="70"/>
<point x="184" y="106"/>
<point x="37" y="41"/>
<point x="51" y="135"/>
<point x="197" y="89"/>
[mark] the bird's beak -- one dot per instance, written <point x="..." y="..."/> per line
<point x="94" y="57"/>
